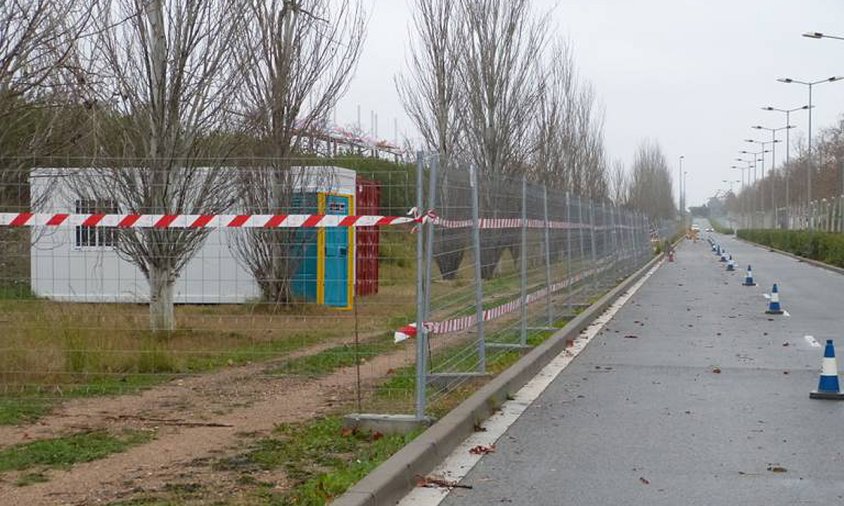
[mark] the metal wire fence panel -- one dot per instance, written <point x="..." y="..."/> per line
<point x="287" y="282"/>
<point x="531" y="257"/>
<point x="825" y="215"/>
<point x="121" y="275"/>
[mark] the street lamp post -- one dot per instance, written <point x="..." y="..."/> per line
<point x="742" y="206"/>
<point x="774" y="162"/>
<point x="773" y="143"/>
<point x="810" y="85"/>
<point x="789" y="126"/>
<point x="680" y="187"/>
<point x="755" y="177"/>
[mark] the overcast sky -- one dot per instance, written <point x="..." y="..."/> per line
<point x="691" y="74"/>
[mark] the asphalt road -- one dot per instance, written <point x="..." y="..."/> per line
<point x="690" y="395"/>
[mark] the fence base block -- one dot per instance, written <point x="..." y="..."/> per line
<point x="385" y="424"/>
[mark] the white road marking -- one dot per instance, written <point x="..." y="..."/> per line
<point x="786" y="313"/>
<point x="457" y="465"/>
<point x="767" y="296"/>
<point x="812" y="341"/>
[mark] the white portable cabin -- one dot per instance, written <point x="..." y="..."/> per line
<point x="82" y="265"/>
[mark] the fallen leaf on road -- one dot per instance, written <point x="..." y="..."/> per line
<point x="644" y="480"/>
<point x="482" y="450"/>
<point x="777" y="469"/>
<point x="631" y="336"/>
<point x="785" y="344"/>
<point x="717" y="370"/>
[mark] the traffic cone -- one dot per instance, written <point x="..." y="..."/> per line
<point x="723" y="256"/>
<point x="731" y="266"/>
<point x="774" y="304"/>
<point x="748" y="278"/>
<point x="718" y="250"/>
<point x="828" y="384"/>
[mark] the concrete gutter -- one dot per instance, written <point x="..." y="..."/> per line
<point x="393" y="479"/>
<point x="810" y="261"/>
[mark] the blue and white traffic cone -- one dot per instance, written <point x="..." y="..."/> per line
<point x="723" y="256"/>
<point x="828" y="384"/>
<point x="748" y="278"/>
<point x="731" y="265"/>
<point x="774" y="303"/>
<point x="718" y="250"/>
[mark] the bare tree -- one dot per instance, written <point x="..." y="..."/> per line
<point x="166" y="69"/>
<point x="429" y="93"/>
<point x="553" y="127"/>
<point x="619" y="183"/>
<point x="37" y="38"/>
<point x="297" y="57"/>
<point x="499" y="92"/>
<point x="650" y="183"/>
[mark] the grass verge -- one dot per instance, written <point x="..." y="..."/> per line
<point x="64" y="452"/>
<point x="825" y="247"/>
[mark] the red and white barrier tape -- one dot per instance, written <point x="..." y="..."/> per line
<point x="465" y="322"/>
<point x="200" y="221"/>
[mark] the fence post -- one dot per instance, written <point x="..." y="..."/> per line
<point x="593" y="243"/>
<point x="568" y="276"/>
<point x="523" y="276"/>
<point x="841" y="213"/>
<point x="429" y="246"/>
<point x="421" y="296"/>
<point x="549" y="307"/>
<point x="580" y="233"/>
<point x="479" y="288"/>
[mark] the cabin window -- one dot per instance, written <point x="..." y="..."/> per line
<point x="96" y="237"/>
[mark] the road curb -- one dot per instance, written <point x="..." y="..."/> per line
<point x="394" y="478"/>
<point x="810" y="261"/>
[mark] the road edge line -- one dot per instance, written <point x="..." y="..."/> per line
<point x="394" y="478"/>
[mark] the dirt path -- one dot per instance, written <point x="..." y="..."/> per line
<point x="192" y="399"/>
<point x="196" y="419"/>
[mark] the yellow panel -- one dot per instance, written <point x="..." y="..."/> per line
<point x="320" y="287"/>
<point x="352" y="256"/>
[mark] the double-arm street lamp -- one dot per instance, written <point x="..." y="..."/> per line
<point x="819" y="35"/>
<point x="774" y="142"/>
<point x="758" y="156"/>
<point x="764" y="144"/>
<point x="789" y="126"/>
<point x="745" y="181"/>
<point x="680" y="186"/>
<point x="810" y="85"/>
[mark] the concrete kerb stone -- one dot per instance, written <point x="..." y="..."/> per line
<point x="394" y="478"/>
<point x="810" y="261"/>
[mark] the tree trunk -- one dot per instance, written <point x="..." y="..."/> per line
<point x="161" y="315"/>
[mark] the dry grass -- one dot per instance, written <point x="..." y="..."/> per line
<point x="57" y="348"/>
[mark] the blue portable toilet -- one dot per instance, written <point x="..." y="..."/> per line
<point x="325" y="273"/>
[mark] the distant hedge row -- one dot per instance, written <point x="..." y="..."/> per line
<point x="823" y="246"/>
<point x="721" y="229"/>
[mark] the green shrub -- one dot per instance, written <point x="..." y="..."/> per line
<point x="826" y="247"/>
<point x="721" y="229"/>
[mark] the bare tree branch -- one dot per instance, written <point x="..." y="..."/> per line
<point x="297" y="58"/>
